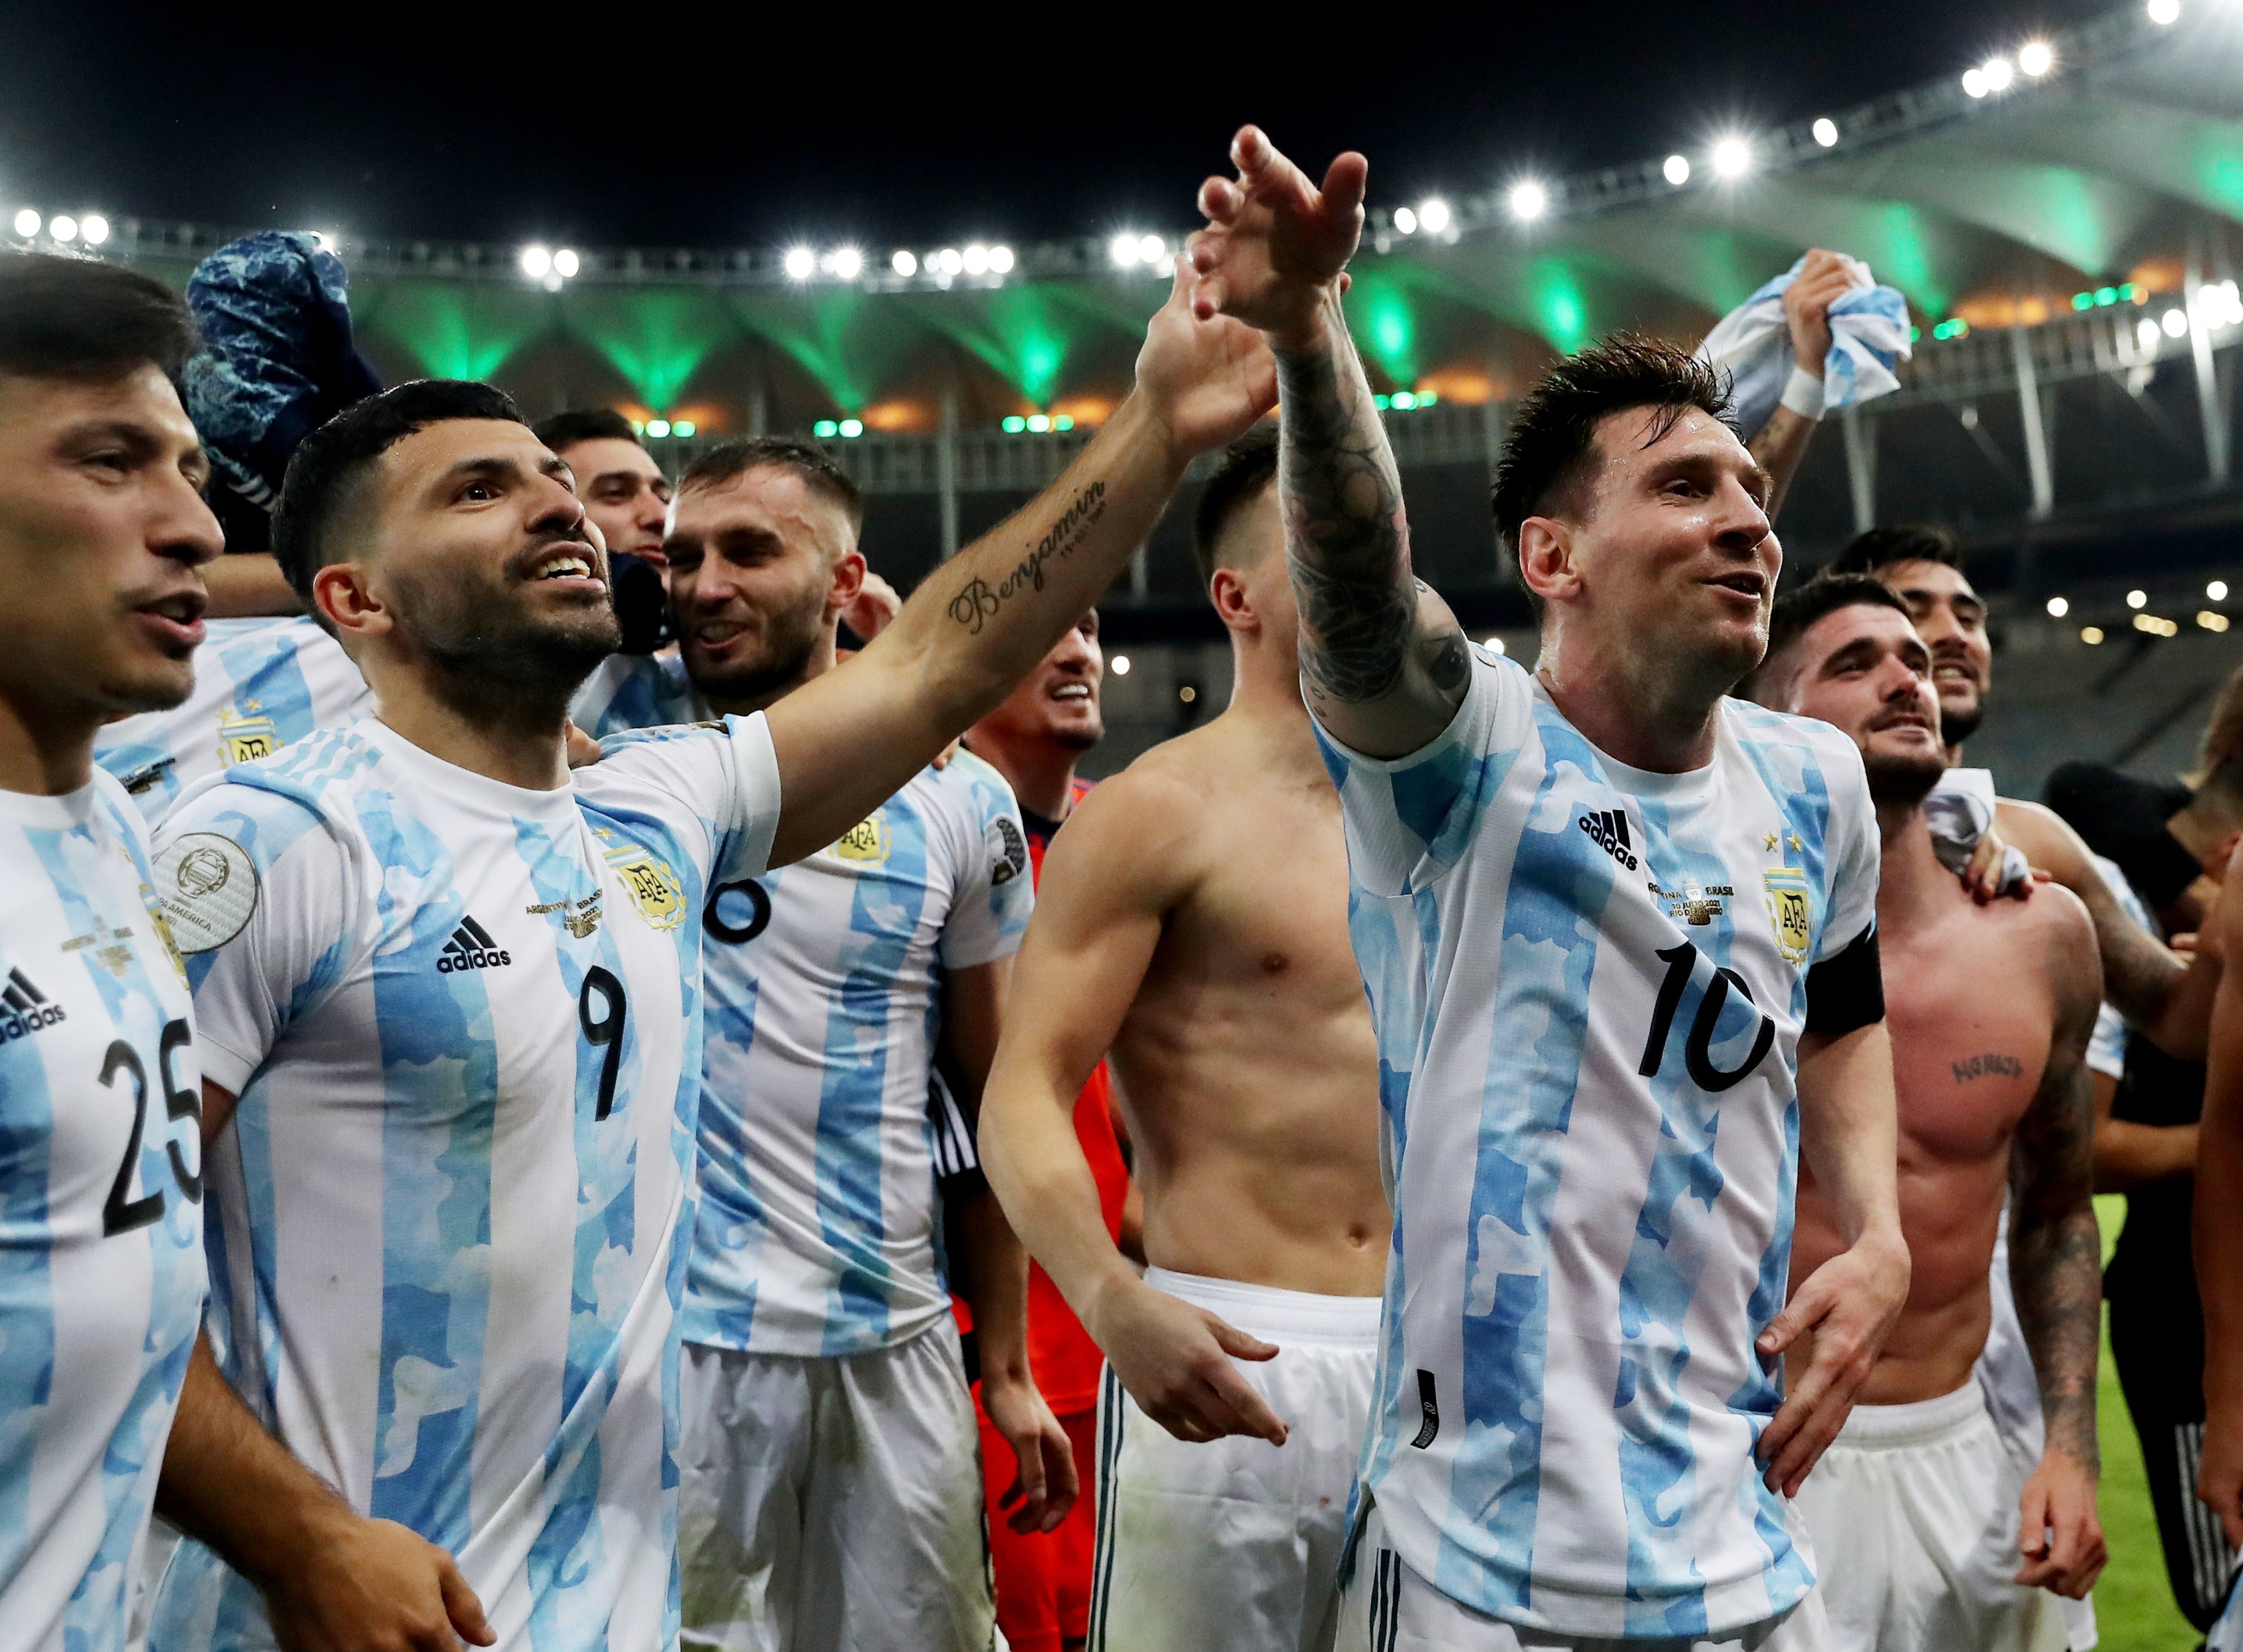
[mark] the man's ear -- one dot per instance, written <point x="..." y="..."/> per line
<point x="344" y="594"/>
<point x="1232" y="604"/>
<point x="1546" y="559"/>
<point x="848" y="579"/>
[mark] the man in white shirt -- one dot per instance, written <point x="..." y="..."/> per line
<point x="1618" y="934"/>
<point x="442" y="979"/>
<point x="104" y="534"/>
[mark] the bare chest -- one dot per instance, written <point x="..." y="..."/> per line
<point x="1970" y="1019"/>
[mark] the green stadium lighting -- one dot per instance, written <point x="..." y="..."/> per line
<point x="682" y="427"/>
<point x="1404" y="400"/>
<point x="1382" y="402"/>
<point x="2106" y="296"/>
<point x="825" y="429"/>
<point x="1038" y="422"/>
<point x="1063" y="422"/>
<point x="658" y="428"/>
<point x="851" y="428"/>
<point x="1014" y="424"/>
<point x="2082" y="300"/>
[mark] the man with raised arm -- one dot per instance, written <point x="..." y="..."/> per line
<point x="1619" y="936"/>
<point x="454" y="1004"/>
<point x="1194" y="920"/>
<point x="1932" y="1535"/>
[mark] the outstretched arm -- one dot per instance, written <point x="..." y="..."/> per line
<point x="1781" y="445"/>
<point x="2055" y="1270"/>
<point x="1383" y="663"/>
<point x="846" y="741"/>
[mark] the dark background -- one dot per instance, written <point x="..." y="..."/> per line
<point x="755" y="124"/>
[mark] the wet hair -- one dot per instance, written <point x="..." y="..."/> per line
<point x="1249" y="465"/>
<point x="727" y="461"/>
<point x="327" y="473"/>
<point x="79" y="318"/>
<point x="1797" y="612"/>
<point x="1551" y="453"/>
<point x="565" y="430"/>
<point x="1879" y="549"/>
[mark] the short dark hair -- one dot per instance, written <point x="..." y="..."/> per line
<point x="1798" y="610"/>
<point x="1881" y="548"/>
<point x="330" y="467"/>
<point x="1551" y="450"/>
<point x="77" y="318"/>
<point x="729" y="460"/>
<point x="565" y="430"/>
<point x="1249" y="465"/>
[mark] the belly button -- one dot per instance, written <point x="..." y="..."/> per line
<point x="1359" y="1237"/>
<point x="1275" y="962"/>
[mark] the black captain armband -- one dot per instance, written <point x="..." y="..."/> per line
<point x="1847" y="989"/>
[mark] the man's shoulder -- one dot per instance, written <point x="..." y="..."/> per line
<point x="321" y="776"/>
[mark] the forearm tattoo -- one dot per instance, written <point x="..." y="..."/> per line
<point x="2055" y="1252"/>
<point x="1344" y="535"/>
<point x="978" y="600"/>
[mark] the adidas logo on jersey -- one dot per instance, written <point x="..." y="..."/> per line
<point x="471" y="948"/>
<point x="25" y="1008"/>
<point x="1607" y="829"/>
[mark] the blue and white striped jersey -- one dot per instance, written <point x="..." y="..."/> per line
<point x="260" y="684"/>
<point x="819" y="1228"/>
<point x="464" y="1023"/>
<point x="1587" y="984"/>
<point x="101" y="1228"/>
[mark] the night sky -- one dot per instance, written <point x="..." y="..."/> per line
<point x="756" y="124"/>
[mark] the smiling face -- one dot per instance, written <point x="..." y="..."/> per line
<point x="1865" y="670"/>
<point x="1056" y="704"/>
<point x="103" y="533"/>
<point x="469" y="549"/>
<point x="1664" y="554"/>
<point x="1951" y="618"/>
<point x="761" y="566"/>
<point x="625" y="492"/>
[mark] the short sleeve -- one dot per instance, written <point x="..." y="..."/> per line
<point x="1854" y="854"/>
<point x="263" y="897"/>
<point x="995" y="890"/>
<point x="1411" y="819"/>
<point x="715" y="781"/>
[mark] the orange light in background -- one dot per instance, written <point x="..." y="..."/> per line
<point x="900" y="415"/>
<point x="637" y="412"/>
<point x="2157" y="275"/>
<point x="707" y="418"/>
<point x="1459" y="384"/>
<point x="1087" y="411"/>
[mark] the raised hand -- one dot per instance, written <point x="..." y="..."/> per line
<point x="1276" y="246"/>
<point x="1821" y="281"/>
<point x="1206" y="377"/>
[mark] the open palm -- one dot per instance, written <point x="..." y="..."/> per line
<point x="1275" y="243"/>
<point x="1211" y="376"/>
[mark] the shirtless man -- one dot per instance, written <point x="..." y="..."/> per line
<point x="1916" y="1491"/>
<point x="1194" y="920"/>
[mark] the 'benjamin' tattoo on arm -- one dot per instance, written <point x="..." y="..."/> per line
<point x="978" y="600"/>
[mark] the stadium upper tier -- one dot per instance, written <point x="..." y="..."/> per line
<point x="2104" y="162"/>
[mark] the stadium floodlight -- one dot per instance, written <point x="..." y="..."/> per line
<point x="27" y="223"/>
<point x="565" y="264"/>
<point x="658" y="428"/>
<point x="1013" y="424"/>
<point x="1493" y="643"/>
<point x="848" y="262"/>
<point x="537" y="262"/>
<point x="825" y="429"/>
<point x="2176" y="321"/>
<point x="1973" y="81"/>
<point x="1119" y="666"/>
<point x="2146" y="330"/>
<point x="1998" y="72"/>
<point x="2057" y="608"/>
<point x="2217" y="590"/>
<point x="95" y="228"/>
<point x="1433" y="215"/>
<point x="2036" y="58"/>
<point x="2137" y="600"/>
<point x="1528" y="200"/>
<point x="2210" y="621"/>
<point x="851" y="428"/>
<point x="1123" y="250"/>
<point x="1152" y="248"/>
<point x="683" y="428"/>
<point x="1826" y="131"/>
<point x="2091" y="634"/>
<point x="66" y="229"/>
<point x="903" y="263"/>
<point x="947" y="261"/>
<point x="1731" y="157"/>
<point x="1677" y="170"/>
<point x="800" y="263"/>
<point x="1405" y="221"/>
<point x="1038" y="422"/>
<point x="2163" y="12"/>
<point x="1000" y="260"/>
<point x="977" y="260"/>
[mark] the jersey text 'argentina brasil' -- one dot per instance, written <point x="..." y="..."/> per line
<point x="463" y="1020"/>
<point x="819" y="1231"/>
<point x="101" y="1256"/>
<point x="1588" y="983"/>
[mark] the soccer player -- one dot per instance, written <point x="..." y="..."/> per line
<point x="104" y="532"/>
<point x="1618" y="932"/>
<point x="1929" y="1534"/>
<point x="455" y="1020"/>
<point x="1219" y="973"/>
<point x="816" y="1314"/>
<point x="1035" y="738"/>
<point x="624" y="492"/>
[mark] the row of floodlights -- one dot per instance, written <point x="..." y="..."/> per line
<point x="1997" y="74"/>
<point x="1037" y="423"/>
<point x="658" y="429"/>
<point x="847" y="263"/>
<point x="91" y="228"/>
<point x="2150" y="624"/>
<point x="1728" y="158"/>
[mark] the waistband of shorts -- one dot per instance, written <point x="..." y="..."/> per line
<point x="1276" y="1316"/>
<point x="1925" y="1422"/>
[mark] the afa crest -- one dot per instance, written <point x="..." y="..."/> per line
<point x="244" y="733"/>
<point x="1791" y="909"/>
<point x="653" y="887"/>
<point x="865" y="843"/>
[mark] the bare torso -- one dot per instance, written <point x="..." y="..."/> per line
<point x="1971" y="1004"/>
<point x="1246" y="1068"/>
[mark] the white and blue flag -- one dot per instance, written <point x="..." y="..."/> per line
<point x="463" y="1020"/>
<point x="1588" y="984"/>
<point x="101" y="1255"/>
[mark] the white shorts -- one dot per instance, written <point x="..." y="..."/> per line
<point x="1913" y="1512"/>
<point x="1235" y="1543"/>
<point x="832" y="1505"/>
<point x="1386" y="1606"/>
